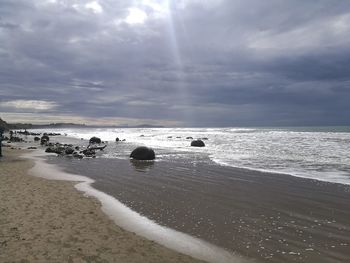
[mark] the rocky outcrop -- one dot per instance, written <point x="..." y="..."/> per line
<point x="143" y="153"/>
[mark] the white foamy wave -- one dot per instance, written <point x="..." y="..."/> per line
<point x="316" y="153"/>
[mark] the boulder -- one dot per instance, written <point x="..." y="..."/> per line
<point x="55" y="149"/>
<point x="69" y="150"/>
<point x="50" y="150"/>
<point x="36" y="139"/>
<point x="189" y="138"/>
<point x="95" y="140"/>
<point x="117" y="139"/>
<point x="143" y="153"/>
<point x="197" y="143"/>
<point x="88" y="152"/>
<point x="44" y="139"/>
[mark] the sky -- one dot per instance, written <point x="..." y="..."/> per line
<point x="207" y="63"/>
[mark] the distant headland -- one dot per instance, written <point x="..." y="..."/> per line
<point x="18" y="126"/>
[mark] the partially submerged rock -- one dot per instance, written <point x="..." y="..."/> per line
<point x="143" y="153"/>
<point x="197" y="143"/>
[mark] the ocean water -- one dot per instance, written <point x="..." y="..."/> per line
<point x="198" y="191"/>
<point x="321" y="153"/>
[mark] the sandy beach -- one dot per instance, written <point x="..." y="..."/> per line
<point x="50" y="221"/>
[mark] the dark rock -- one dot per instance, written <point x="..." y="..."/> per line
<point x="77" y="155"/>
<point x="197" y="143"/>
<point x="69" y="150"/>
<point x="36" y="139"/>
<point x="32" y="148"/>
<point x="55" y="149"/>
<point x="88" y="152"/>
<point x="189" y="138"/>
<point x="205" y="139"/>
<point x="143" y="153"/>
<point x="16" y="139"/>
<point x="169" y="137"/>
<point x="50" y="150"/>
<point x="123" y="140"/>
<point x="44" y="139"/>
<point x="95" y="140"/>
<point x="117" y="139"/>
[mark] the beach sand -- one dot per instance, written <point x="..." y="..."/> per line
<point x="50" y="221"/>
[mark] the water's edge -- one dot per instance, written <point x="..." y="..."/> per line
<point x="130" y="220"/>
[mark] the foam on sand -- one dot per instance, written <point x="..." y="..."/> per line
<point x="134" y="222"/>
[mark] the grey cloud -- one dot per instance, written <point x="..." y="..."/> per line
<point x="207" y="63"/>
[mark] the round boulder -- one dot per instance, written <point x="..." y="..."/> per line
<point x="143" y="153"/>
<point x="95" y="140"/>
<point x="45" y="138"/>
<point x="36" y="139"/>
<point x="197" y="143"/>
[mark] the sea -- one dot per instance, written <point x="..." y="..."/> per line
<point x="320" y="153"/>
<point x="266" y="194"/>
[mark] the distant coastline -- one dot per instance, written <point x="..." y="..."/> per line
<point x="18" y="126"/>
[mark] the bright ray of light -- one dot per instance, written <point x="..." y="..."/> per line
<point x="182" y="87"/>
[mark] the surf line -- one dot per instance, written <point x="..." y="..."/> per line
<point x="132" y="221"/>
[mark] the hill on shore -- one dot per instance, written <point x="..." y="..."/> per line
<point x="3" y="125"/>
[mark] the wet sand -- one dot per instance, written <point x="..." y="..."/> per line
<point x="50" y="221"/>
<point x="264" y="216"/>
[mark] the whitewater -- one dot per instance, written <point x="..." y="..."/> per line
<point x="320" y="153"/>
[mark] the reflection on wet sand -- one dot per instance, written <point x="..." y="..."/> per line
<point x="142" y="166"/>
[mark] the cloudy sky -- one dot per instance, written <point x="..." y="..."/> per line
<point x="175" y="63"/>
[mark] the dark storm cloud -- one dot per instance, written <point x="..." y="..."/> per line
<point x="191" y="62"/>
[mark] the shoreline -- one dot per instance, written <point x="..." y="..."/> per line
<point x="44" y="220"/>
<point x="272" y="217"/>
<point x="263" y="216"/>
